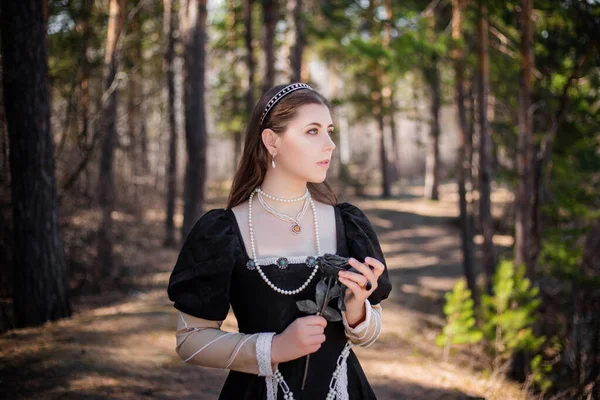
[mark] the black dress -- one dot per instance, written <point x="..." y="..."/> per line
<point x="211" y="274"/>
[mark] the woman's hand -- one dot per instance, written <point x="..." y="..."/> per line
<point x="303" y="336"/>
<point x="357" y="283"/>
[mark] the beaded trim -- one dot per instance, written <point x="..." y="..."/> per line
<point x="338" y="385"/>
<point x="310" y="261"/>
<point x="280" y="95"/>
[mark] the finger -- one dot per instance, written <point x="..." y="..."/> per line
<point x="377" y="265"/>
<point x="317" y="339"/>
<point x="316" y="320"/>
<point x="353" y="286"/>
<point x="314" y="348"/>
<point x="363" y="269"/>
<point x="314" y="330"/>
<point x="353" y="276"/>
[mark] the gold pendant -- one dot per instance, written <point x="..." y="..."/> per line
<point x="296" y="229"/>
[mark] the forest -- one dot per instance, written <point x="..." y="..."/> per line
<point x="468" y="131"/>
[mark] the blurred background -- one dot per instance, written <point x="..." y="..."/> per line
<point x="467" y="130"/>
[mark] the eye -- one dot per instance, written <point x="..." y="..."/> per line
<point x="315" y="130"/>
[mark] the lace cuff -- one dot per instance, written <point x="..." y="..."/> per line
<point x="367" y="332"/>
<point x="263" y="354"/>
<point x="361" y="328"/>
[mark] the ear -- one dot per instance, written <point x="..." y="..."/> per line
<point x="270" y="139"/>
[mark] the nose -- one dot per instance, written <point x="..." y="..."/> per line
<point x="330" y="144"/>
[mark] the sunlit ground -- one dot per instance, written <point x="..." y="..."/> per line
<point x="124" y="348"/>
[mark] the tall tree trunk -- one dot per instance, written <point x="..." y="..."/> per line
<point x="269" y="23"/>
<point x="378" y="107"/>
<point x="250" y="64"/>
<point x="106" y="182"/>
<point x="386" y="187"/>
<point x="40" y="291"/>
<point x="524" y="212"/>
<point x="388" y="97"/>
<point x="585" y="330"/>
<point x="169" y="27"/>
<point x="84" y="87"/>
<point x="296" y="38"/>
<point x="432" y="75"/>
<point x="193" y="21"/>
<point x="462" y="165"/>
<point x="485" y="150"/>
<point x="232" y="59"/>
<point x="432" y="173"/>
<point x="525" y="167"/>
<point x="135" y="117"/>
<point x="4" y="153"/>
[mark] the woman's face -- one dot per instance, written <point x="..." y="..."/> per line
<point x="305" y="148"/>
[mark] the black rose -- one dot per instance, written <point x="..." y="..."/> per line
<point x="331" y="264"/>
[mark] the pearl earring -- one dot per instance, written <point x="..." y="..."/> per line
<point x="273" y="160"/>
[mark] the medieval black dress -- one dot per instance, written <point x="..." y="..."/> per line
<point x="211" y="274"/>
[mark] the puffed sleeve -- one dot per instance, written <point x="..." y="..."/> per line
<point x="200" y="281"/>
<point x="363" y="242"/>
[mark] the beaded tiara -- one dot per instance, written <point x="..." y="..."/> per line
<point x="280" y="95"/>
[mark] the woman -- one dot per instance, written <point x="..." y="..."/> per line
<point x="261" y="261"/>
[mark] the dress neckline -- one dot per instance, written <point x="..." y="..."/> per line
<point x="339" y="232"/>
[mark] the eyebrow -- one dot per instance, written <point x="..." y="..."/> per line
<point x="318" y="124"/>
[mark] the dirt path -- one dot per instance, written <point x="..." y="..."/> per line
<point x="125" y="349"/>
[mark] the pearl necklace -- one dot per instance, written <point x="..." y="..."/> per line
<point x="341" y="366"/>
<point x="296" y="228"/>
<point x="282" y="262"/>
<point x="258" y="189"/>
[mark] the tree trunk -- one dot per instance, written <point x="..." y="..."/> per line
<point x="378" y="107"/>
<point x="297" y="38"/>
<point x="485" y="147"/>
<point x="106" y="182"/>
<point x="170" y="25"/>
<point x="249" y="57"/>
<point x="524" y="210"/>
<point x="193" y="21"/>
<point x="432" y="173"/>
<point x="385" y="167"/>
<point x="586" y="326"/>
<point x="135" y="116"/>
<point x="232" y="59"/>
<point x="432" y="76"/>
<point x="388" y="98"/>
<point x="40" y="291"/>
<point x="462" y="165"/>
<point x="269" y="23"/>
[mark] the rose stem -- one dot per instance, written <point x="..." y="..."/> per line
<point x="319" y="313"/>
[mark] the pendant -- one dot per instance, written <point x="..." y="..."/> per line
<point x="296" y="228"/>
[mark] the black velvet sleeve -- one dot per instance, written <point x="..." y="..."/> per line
<point x="363" y="242"/>
<point x="200" y="281"/>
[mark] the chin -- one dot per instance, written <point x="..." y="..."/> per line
<point x="320" y="179"/>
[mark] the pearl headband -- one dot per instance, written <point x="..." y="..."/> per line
<point x="280" y="95"/>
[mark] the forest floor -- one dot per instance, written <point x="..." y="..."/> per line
<point x="120" y="345"/>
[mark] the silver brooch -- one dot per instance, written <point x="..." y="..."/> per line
<point x="282" y="262"/>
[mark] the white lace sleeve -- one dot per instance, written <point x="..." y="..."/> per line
<point x="367" y="332"/>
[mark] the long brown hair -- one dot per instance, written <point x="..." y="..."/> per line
<point x="255" y="157"/>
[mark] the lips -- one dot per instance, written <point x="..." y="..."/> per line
<point x="324" y="163"/>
